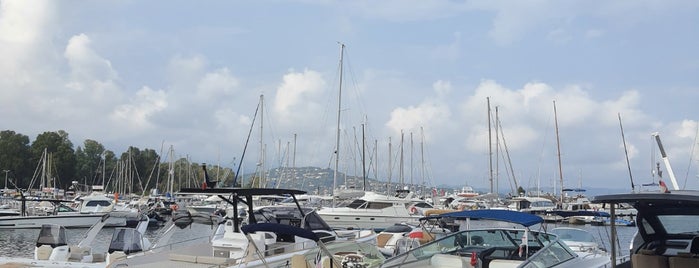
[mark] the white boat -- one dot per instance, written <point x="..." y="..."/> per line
<point x="52" y="249"/>
<point x="64" y="216"/>
<point x="268" y="236"/>
<point x="372" y="211"/>
<point x="496" y="246"/>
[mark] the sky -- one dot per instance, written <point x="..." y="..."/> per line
<point x="189" y="74"/>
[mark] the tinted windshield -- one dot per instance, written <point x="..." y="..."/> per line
<point x="680" y="224"/>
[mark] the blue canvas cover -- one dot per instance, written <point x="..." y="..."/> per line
<point x="525" y="219"/>
<point x="279" y="229"/>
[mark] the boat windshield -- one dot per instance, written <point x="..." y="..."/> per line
<point x="679" y="224"/>
<point x="550" y="256"/>
<point x="465" y="242"/>
<point x="127" y="240"/>
<point x="52" y="234"/>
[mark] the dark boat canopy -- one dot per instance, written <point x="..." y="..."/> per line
<point x="522" y="218"/>
<point x="279" y="229"/>
<point x="241" y="191"/>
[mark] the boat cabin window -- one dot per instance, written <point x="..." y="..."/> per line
<point x="379" y="205"/>
<point x="357" y="203"/>
<point x="94" y="203"/>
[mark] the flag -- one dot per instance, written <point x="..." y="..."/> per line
<point x="318" y="263"/>
<point x="663" y="187"/>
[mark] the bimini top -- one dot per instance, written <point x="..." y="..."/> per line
<point x="279" y="229"/>
<point x="676" y="197"/>
<point x="524" y="219"/>
<point x="241" y="191"/>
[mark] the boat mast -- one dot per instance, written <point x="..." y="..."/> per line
<point x="497" y="151"/>
<point x="363" y="157"/>
<point x="558" y="146"/>
<point x="262" y="182"/>
<point x="490" y="148"/>
<point x="390" y="167"/>
<point x="422" y="161"/>
<point x="626" y="152"/>
<point x="339" y="111"/>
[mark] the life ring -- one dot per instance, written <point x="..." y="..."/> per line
<point x="413" y="210"/>
<point x="174" y="206"/>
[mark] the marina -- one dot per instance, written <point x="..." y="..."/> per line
<point x="349" y="134"/>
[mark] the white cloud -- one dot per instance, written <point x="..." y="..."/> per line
<point x="430" y="115"/>
<point x="84" y="62"/>
<point x="296" y="98"/>
<point x="135" y="116"/>
<point x="219" y="83"/>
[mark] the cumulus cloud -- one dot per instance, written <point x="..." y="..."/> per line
<point x="219" y="83"/>
<point x="136" y="114"/>
<point x="297" y="96"/>
<point x="431" y="114"/>
<point x="85" y="64"/>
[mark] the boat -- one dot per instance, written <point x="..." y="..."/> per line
<point x="60" y="214"/>
<point x="401" y="237"/>
<point x="493" y="247"/>
<point x="52" y="248"/>
<point x="256" y="236"/>
<point x="668" y="235"/>
<point x="577" y="239"/>
<point x="531" y="204"/>
<point x="372" y="211"/>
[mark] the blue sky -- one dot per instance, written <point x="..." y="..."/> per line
<point x="189" y="74"/>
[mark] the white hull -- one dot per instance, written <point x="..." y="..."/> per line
<point x="68" y="221"/>
<point x="368" y="220"/>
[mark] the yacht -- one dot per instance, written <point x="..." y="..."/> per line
<point x="372" y="211"/>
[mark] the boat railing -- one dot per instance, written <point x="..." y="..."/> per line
<point x="172" y="245"/>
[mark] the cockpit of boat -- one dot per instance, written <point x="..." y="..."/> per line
<point x="494" y="246"/>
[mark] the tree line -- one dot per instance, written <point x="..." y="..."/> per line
<point x="133" y="171"/>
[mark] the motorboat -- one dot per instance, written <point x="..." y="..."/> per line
<point x="372" y="211"/>
<point x="256" y="236"/>
<point x="53" y="250"/>
<point x="668" y="234"/>
<point x="401" y="237"/>
<point x="61" y="215"/>
<point x="493" y="247"/>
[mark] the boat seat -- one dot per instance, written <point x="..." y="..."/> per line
<point x="426" y="238"/>
<point x="497" y="263"/>
<point x="299" y="261"/>
<point x="43" y="252"/>
<point x="647" y="259"/>
<point x="77" y="253"/>
<point x="117" y="255"/>
<point x="449" y="261"/>
<point x="686" y="259"/>
<point x="382" y="239"/>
